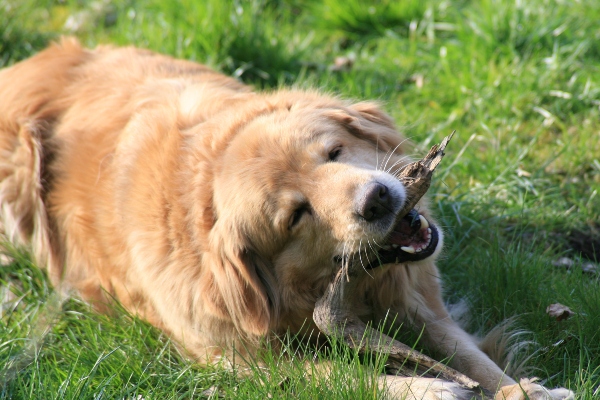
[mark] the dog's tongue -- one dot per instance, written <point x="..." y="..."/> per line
<point x="406" y="229"/>
<point x="412" y="239"/>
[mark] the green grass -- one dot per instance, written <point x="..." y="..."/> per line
<point x="518" y="80"/>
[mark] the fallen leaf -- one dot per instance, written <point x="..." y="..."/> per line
<point x="559" y="311"/>
<point x="568" y="263"/>
<point x="212" y="392"/>
<point x="563" y="262"/>
<point x="343" y="63"/>
<point x="521" y="172"/>
<point x="591" y="268"/>
<point x="419" y="80"/>
<point x="99" y="12"/>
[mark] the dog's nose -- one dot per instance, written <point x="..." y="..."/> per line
<point x="374" y="201"/>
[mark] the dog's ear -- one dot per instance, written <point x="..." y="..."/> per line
<point x="367" y="121"/>
<point x="238" y="284"/>
<point x="371" y="111"/>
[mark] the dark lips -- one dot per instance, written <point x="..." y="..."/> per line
<point x="412" y="239"/>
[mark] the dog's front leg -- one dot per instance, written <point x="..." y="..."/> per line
<point x="417" y="388"/>
<point x="444" y="335"/>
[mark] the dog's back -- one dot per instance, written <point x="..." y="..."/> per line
<point x="54" y="128"/>
<point x="28" y="100"/>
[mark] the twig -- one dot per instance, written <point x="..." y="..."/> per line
<point x="416" y="176"/>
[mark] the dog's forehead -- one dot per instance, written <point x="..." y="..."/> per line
<point x="263" y="154"/>
<point x="288" y="140"/>
<point x="305" y="135"/>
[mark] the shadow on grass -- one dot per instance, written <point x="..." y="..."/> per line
<point x="361" y="20"/>
<point x="255" y="58"/>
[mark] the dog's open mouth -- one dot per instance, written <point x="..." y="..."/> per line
<point x="412" y="239"/>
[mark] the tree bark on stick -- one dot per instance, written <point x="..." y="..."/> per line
<point x="334" y="312"/>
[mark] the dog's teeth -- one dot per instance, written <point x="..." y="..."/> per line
<point x="428" y="230"/>
<point x="408" y="249"/>
<point x="424" y="222"/>
<point x="395" y="246"/>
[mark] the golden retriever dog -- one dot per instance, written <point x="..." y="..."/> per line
<point x="217" y="213"/>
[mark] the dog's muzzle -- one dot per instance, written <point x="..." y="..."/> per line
<point x="412" y="238"/>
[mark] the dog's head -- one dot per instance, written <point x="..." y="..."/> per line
<point x="301" y="190"/>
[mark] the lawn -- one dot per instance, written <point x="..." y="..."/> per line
<point x="518" y="194"/>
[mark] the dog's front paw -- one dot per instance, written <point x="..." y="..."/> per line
<point x="416" y="388"/>
<point x="528" y="389"/>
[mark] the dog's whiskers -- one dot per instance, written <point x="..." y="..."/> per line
<point x="360" y="249"/>
<point x="370" y="246"/>
<point x="377" y="154"/>
<point x="367" y="255"/>
<point x="399" y="161"/>
<point x="346" y="259"/>
<point x="388" y="156"/>
<point x="377" y="244"/>
<point x="384" y="160"/>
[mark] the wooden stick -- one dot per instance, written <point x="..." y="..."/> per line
<point x="333" y="315"/>
<point x="416" y="176"/>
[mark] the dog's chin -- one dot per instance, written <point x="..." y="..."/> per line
<point x="412" y="239"/>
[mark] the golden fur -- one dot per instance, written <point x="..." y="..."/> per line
<point x="210" y="210"/>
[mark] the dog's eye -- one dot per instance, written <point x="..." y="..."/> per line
<point x="335" y="153"/>
<point x="298" y="214"/>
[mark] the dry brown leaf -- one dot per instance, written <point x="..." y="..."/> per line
<point x="559" y="311"/>
<point x="343" y="63"/>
